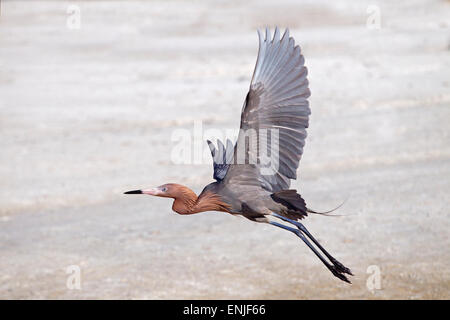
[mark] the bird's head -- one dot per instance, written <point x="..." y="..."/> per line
<point x="184" y="198"/>
<point x="168" y="190"/>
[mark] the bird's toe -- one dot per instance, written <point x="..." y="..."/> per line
<point x="334" y="270"/>
<point x="341" y="268"/>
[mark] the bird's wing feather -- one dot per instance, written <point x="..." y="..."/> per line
<point x="222" y="158"/>
<point x="278" y="103"/>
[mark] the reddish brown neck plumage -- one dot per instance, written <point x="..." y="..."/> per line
<point x="187" y="202"/>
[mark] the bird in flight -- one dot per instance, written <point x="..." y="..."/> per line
<point x="253" y="175"/>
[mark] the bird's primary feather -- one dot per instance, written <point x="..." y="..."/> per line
<point x="277" y="103"/>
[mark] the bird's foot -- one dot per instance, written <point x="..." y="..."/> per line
<point x="340" y="267"/>
<point x="339" y="274"/>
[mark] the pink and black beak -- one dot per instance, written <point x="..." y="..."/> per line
<point x="150" y="191"/>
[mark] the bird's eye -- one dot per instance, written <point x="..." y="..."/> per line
<point x="164" y="189"/>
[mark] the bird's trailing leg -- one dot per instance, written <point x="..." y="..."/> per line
<point x="301" y="227"/>
<point x="337" y="268"/>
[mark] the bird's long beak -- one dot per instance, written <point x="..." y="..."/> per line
<point x="133" y="192"/>
<point x="151" y="191"/>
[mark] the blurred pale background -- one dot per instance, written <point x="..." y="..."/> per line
<point x="87" y="113"/>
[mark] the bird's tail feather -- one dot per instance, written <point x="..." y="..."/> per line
<point x="326" y="213"/>
<point x="295" y="205"/>
<point x="292" y="201"/>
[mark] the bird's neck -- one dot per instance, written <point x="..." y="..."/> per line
<point x="187" y="202"/>
<point x="184" y="200"/>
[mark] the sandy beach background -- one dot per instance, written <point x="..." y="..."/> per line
<point x="91" y="93"/>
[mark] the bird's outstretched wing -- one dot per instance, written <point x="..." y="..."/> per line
<point x="222" y="158"/>
<point x="276" y="110"/>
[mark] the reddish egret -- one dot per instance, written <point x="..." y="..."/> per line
<point x="247" y="183"/>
